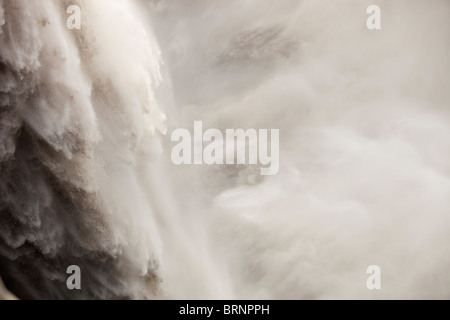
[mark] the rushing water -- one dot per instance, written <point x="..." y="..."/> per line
<point x="86" y="176"/>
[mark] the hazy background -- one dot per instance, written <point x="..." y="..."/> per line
<point x="364" y="120"/>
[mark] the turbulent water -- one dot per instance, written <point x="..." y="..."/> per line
<point x="85" y="171"/>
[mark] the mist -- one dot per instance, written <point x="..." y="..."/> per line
<point x="86" y="176"/>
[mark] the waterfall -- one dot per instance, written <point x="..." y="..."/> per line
<point x="86" y="177"/>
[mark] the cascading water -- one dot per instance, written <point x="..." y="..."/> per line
<point x="86" y="176"/>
